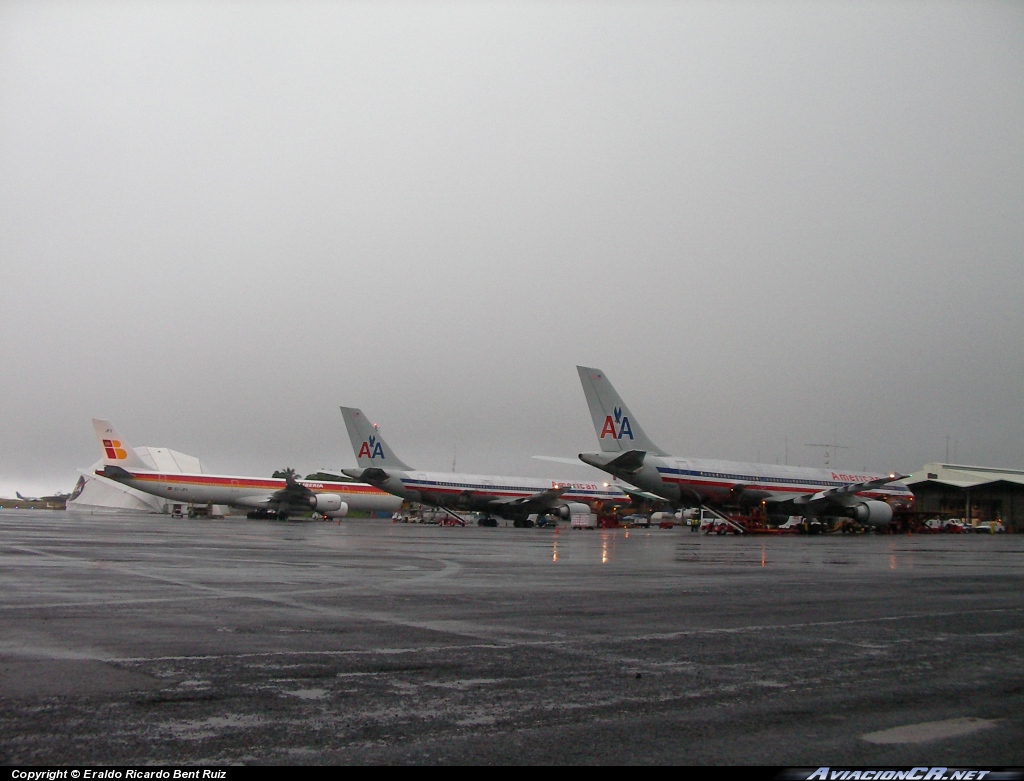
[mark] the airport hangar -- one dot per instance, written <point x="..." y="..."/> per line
<point x="973" y="493"/>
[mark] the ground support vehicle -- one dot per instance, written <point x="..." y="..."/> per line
<point x="583" y="521"/>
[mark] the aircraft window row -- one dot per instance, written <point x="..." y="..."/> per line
<point x="529" y="489"/>
<point x="751" y="478"/>
<point x="425" y="483"/>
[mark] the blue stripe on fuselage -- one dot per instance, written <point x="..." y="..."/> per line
<point x="755" y="480"/>
<point x="416" y="483"/>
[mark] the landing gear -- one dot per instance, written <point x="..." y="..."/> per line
<point x="262" y="513"/>
<point x="488" y="521"/>
<point x="523" y="523"/>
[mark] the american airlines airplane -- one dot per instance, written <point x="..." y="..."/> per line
<point x="514" y="498"/>
<point x="267" y="497"/>
<point x="628" y="454"/>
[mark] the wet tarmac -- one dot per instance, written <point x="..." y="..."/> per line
<point x="143" y="639"/>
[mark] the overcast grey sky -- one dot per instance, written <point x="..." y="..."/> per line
<point x="764" y="221"/>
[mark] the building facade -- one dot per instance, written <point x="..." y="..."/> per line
<point x="973" y="493"/>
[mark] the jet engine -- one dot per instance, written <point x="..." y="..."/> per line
<point x="572" y="508"/>
<point x="327" y="503"/>
<point x="871" y="512"/>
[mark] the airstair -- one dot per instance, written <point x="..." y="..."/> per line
<point x="721" y="518"/>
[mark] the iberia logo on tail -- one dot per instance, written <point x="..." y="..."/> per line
<point x="371" y="449"/>
<point x="617" y="428"/>
<point x="113" y="449"/>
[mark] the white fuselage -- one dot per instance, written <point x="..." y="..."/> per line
<point x="452" y="489"/>
<point x="720" y="482"/>
<point x="251" y="492"/>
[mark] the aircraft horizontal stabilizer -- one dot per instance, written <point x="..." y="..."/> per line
<point x="636" y="493"/>
<point x="558" y="459"/>
<point x="371" y="475"/>
<point x="115" y="472"/>
<point x="630" y="461"/>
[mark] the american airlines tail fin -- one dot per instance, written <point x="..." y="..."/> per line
<point x="370" y="448"/>
<point x="117" y="452"/>
<point x="616" y="428"/>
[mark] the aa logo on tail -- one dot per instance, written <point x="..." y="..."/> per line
<point x="371" y="449"/>
<point x="617" y="428"/>
<point x="113" y="449"/>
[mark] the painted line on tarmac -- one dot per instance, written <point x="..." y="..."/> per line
<point x="506" y="635"/>
<point x="812" y="624"/>
<point x="928" y="731"/>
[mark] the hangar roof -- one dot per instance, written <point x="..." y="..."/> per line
<point x="962" y="476"/>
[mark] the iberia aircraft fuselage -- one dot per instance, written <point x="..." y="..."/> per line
<point x="123" y="464"/>
<point x="334" y="498"/>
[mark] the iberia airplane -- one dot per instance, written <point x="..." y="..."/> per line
<point x="515" y="498"/>
<point x="265" y="496"/>
<point x="628" y="453"/>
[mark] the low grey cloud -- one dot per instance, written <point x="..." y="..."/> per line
<point x="770" y="224"/>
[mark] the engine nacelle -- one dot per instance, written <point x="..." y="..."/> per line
<point x="572" y="508"/>
<point x="871" y="512"/>
<point x="327" y="503"/>
<point x="341" y="512"/>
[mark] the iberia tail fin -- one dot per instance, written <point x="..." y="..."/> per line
<point x="117" y="452"/>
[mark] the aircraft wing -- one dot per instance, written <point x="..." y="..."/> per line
<point x="541" y="498"/>
<point x="256" y="501"/>
<point x="293" y="494"/>
<point x="853" y="488"/>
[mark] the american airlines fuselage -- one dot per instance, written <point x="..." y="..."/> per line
<point x="630" y="455"/>
<point x="488" y="492"/>
<point x="710" y="481"/>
